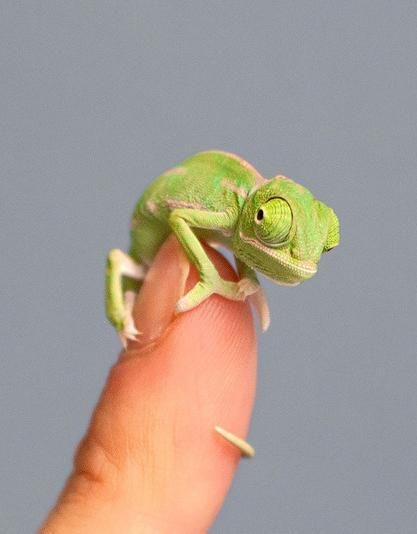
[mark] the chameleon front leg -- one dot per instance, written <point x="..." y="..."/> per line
<point x="181" y="221"/>
<point x="122" y="276"/>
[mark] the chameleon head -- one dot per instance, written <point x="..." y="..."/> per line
<point x="283" y="231"/>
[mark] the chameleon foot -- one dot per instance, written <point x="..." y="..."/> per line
<point x="193" y="298"/>
<point x="129" y="330"/>
<point x="122" y="273"/>
<point x="251" y="289"/>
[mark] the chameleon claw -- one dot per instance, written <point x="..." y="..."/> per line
<point x="247" y="287"/>
<point x="182" y="305"/>
<point x="132" y="335"/>
<point x="260" y="303"/>
<point x="124" y="338"/>
<point x="129" y="333"/>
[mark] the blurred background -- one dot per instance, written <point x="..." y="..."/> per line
<point x="98" y="98"/>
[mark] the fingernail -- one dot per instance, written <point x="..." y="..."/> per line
<point x="164" y="284"/>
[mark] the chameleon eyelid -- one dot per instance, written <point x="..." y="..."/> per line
<point x="269" y="200"/>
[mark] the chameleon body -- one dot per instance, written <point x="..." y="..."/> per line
<point x="275" y="227"/>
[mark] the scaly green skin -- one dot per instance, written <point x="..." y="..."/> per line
<point x="272" y="226"/>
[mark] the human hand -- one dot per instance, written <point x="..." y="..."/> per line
<point x="151" y="461"/>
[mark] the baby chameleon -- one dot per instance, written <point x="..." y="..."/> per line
<point x="272" y="226"/>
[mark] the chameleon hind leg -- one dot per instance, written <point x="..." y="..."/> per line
<point x="181" y="221"/>
<point x="123" y="279"/>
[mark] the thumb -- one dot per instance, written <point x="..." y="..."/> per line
<point x="150" y="458"/>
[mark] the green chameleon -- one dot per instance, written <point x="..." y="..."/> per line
<point x="272" y="226"/>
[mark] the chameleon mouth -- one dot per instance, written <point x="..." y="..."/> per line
<point x="306" y="268"/>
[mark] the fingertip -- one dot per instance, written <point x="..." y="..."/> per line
<point x="164" y="284"/>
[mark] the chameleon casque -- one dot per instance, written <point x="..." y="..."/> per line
<point x="273" y="226"/>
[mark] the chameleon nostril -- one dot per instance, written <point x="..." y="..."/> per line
<point x="260" y="215"/>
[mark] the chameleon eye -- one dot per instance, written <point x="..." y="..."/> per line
<point x="273" y="221"/>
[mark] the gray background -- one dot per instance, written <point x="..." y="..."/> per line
<point x="97" y="98"/>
